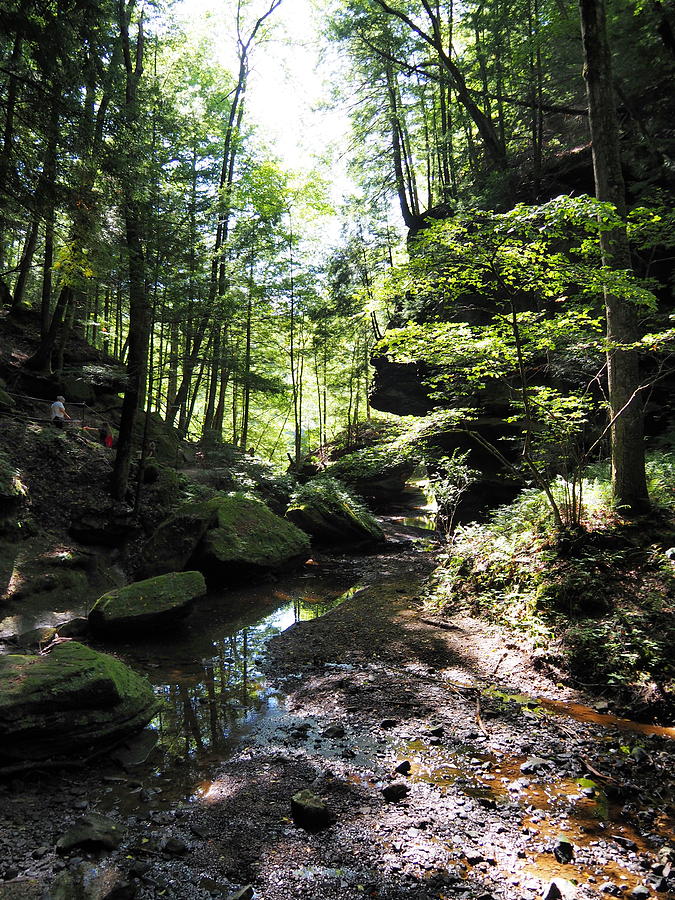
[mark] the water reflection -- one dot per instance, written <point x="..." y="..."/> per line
<point x="210" y="681"/>
<point x="417" y="507"/>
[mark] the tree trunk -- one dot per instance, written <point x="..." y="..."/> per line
<point x="626" y="409"/>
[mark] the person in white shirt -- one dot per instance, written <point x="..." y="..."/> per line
<point x="59" y="414"/>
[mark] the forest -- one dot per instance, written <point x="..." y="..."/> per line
<point x="337" y="449"/>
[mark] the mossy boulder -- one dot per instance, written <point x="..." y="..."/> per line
<point x="68" y="704"/>
<point x="248" y="540"/>
<point x="325" y="509"/>
<point x="175" y="541"/>
<point x="159" y="602"/>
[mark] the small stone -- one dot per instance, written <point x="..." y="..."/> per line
<point x="559" y="889"/>
<point x="610" y="888"/>
<point x="388" y="723"/>
<point x="624" y="842"/>
<point x="403" y="768"/>
<point x="395" y="791"/>
<point x="639" y="892"/>
<point x="534" y="764"/>
<point x="92" y="829"/>
<point x="639" y="754"/>
<point x="563" y="850"/>
<point x="245" y="893"/>
<point x="309" y="811"/>
<point x="333" y="731"/>
<point x="175" y="846"/>
<point x="435" y="730"/>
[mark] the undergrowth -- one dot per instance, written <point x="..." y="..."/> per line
<point x="598" y="598"/>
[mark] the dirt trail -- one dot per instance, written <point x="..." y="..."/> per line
<point x="494" y="796"/>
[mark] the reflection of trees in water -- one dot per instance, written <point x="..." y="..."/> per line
<point x="201" y="716"/>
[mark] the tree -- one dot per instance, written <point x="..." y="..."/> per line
<point x="626" y="407"/>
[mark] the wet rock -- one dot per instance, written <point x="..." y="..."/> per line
<point x="608" y="887"/>
<point x="92" y="830"/>
<point x="67" y="702"/>
<point x="559" y="889"/>
<point x="563" y="850"/>
<point x="309" y="811"/>
<point x="159" y="602"/>
<point x="395" y="791"/>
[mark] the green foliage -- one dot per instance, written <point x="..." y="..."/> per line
<point x="605" y="595"/>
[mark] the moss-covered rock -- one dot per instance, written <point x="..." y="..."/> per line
<point x="248" y="539"/>
<point x="325" y="509"/>
<point x="159" y="602"/>
<point x="175" y="541"/>
<point x="68" y="703"/>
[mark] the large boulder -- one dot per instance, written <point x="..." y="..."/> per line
<point x="248" y="540"/>
<point x="175" y="541"/>
<point x="325" y="509"/>
<point x="68" y="703"/>
<point x="159" y="602"/>
<point x="12" y="493"/>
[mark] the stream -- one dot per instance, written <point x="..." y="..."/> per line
<point x="496" y="784"/>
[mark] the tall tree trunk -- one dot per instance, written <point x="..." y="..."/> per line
<point x="626" y="408"/>
<point x="139" y="307"/>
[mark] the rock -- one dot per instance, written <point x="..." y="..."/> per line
<point x="534" y="764"/>
<point x="388" y="723"/>
<point x="175" y="846"/>
<point x="325" y="509"/>
<point x="92" y="882"/>
<point x="563" y="850"/>
<point x="106" y="526"/>
<point x="333" y="731"/>
<point x="13" y="494"/>
<point x="73" y="627"/>
<point x="176" y="539"/>
<point x="7" y="402"/>
<point x="22" y="889"/>
<point x="248" y="540"/>
<point x="68" y="702"/>
<point x="608" y="887"/>
<point x="309" y="811"/>
<point x="403" y="768"/>
<point x="639" y="754"/>
<point x="395" y="791"/>
<point x="639" y="892"/>
<point x="624" y="842"/>
<point x="244" y="893"/>
<point x="159" y="602"/>
<point x="559" y="889"/>
<point x="93" y="831"/>
<point x="435" y="730"/>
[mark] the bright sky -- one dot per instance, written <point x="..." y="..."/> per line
<point x="287" y="84"/>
